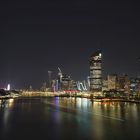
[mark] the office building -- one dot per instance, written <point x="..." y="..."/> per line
<point x="96" y="72"/>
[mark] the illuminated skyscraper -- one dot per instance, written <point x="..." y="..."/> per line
<point x="66" y="82"/>
<point x="96" y="72"/>
<point x="112" y="80"/>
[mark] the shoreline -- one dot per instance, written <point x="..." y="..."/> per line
<point x="103" y="100"/>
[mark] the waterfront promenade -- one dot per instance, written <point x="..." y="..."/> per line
<point x="31" y="94"/>
<point x="76" y="94"/>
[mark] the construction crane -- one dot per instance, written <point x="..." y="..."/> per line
<point x="60" y="73"/>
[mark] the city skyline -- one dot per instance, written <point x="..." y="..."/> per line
<point x="40" y="37"/>
<point x="55" y="75"/>
<point x="69" y="70"/>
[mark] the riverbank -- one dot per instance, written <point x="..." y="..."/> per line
<point x="94" y="99"/>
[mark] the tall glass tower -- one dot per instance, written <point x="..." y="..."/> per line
<point x="96" y="72"/>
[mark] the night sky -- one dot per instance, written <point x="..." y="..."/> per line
<point x="37" y="36"/>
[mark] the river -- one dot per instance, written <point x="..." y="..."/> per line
<point x="68" y="119"/>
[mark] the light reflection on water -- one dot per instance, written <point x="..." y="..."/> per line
<point x="69" y="118"/>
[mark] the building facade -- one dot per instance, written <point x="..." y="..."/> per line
<point x="66" y="82"/>
<point x="112" y="82"/>
<point x="96" y="72"/>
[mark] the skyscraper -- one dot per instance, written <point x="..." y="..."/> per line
<point x="96" y="72"/>
<point x="66" y="82"/>
<point x="112" y="80"/>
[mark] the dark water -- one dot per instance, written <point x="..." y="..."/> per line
<point x="68" y="119"/>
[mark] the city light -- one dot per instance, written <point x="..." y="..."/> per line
<point x="8" y="87"/>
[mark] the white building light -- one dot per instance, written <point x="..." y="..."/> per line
<point x="8" y="87"/>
